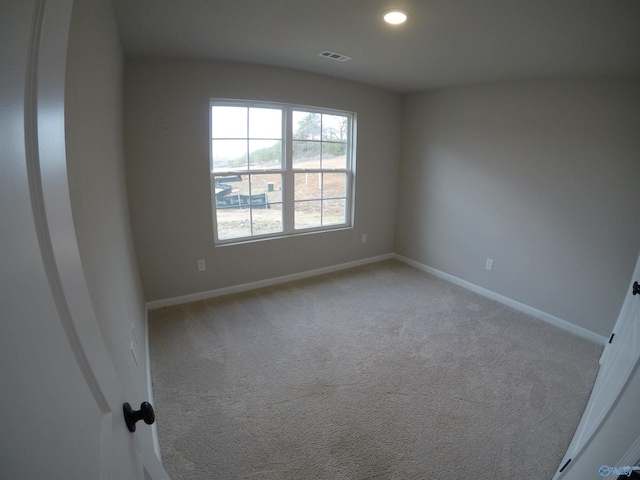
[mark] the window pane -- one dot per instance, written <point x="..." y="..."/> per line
<point x="258" y="200"/>
<point x="265" y="154"/>
<point x="267" y="220"/>
<point x="333" y="212"/>
<point x="228" y="122"/>
<point x="233" y="222"/>
<point x="228" y="155"/>
<point x="334" y="127"/>
<point x="307" y="214"/>
<point x="306" y="154"/>
<point x="230" y="190"/>
<point x="269" y="185"/>
<point x="307" y="186"/>
<point x="236" y="190"/>
<point x="223" y="187"/>
<point x="306" y="126"/>
<point x="334" y="155"/>
<point x="334" y="185"/>
<point x="265" y="123"/>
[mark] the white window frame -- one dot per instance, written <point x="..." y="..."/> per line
<point x="288" y="171"/>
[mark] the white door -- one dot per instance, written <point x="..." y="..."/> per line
<point x="60" y="398"/>
<point x="617" y="365"/>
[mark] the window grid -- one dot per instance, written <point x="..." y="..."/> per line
<point x="334" y="142"/>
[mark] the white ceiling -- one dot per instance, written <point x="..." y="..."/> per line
<point x="444" y="42"/>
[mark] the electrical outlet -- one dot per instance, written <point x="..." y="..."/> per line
<point x="364" y="238"/>
<point x="201" y="266"/>
<point x="489" y="264"/>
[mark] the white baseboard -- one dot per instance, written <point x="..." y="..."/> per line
<point x="194" y="297"/>
<point x="558" y="322"/>
<point x="540" y="315"/>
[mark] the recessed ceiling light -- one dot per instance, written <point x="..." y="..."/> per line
<point x="394" y="17"/>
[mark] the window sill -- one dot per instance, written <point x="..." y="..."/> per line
<point x="244" y="241"/>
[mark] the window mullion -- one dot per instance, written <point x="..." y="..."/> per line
<point x="289" y="180"/>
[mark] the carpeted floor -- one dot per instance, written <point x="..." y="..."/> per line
<point x="378" y="372"/>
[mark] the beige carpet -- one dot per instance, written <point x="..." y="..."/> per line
<point x="378" y="372"/>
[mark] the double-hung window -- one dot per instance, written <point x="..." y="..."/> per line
<point x="279" y="169"/>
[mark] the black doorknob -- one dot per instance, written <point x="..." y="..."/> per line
<point x="131" y="416"/>
<point x="636" y="288"/>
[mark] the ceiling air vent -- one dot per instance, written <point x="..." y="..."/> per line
<point x="335" y="56"/>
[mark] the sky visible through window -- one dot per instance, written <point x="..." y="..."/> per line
<point x="238" y="131"/>
<point x="231" y="127"/>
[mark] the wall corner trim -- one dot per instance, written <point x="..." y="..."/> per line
<point x="539" y="314"/>
<point x="147" y="353"/>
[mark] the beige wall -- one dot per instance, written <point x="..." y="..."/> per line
<point x="543" y="177"/>
<point x="95" y="160"/>
<point x="167" y="151"/>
